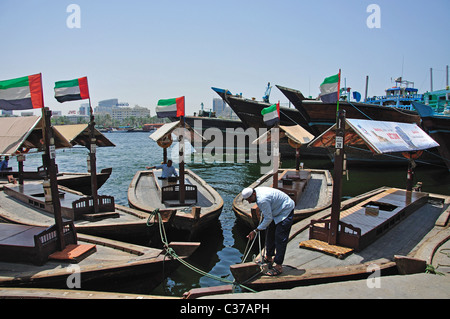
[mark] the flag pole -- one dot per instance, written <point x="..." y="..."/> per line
<point x="276" y="149"/>
<point x="339" y="91"/>
<point x="333" y="238"/>
<point x="181" y="156"/>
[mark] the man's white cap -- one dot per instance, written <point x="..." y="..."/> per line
<point x="247" y="192"/>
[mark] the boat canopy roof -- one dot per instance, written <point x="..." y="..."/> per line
<point x="79" y="134"/>
<point x="379" y="136"/>
<point x="26" y="132"/>
<point x="295" y="132"/>
<point x="165" y="132"/>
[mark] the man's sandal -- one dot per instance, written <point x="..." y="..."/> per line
<point x="268" y="262"/>
<point x="273" y="272"/>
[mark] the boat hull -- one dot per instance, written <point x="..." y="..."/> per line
<point x="438" y="127"/>
<point x="113" y="264"/>
<point x="321" y="116"/>
<point x="80" y="182"/>
<point x="188" y="220"/>
<point x="249" y="111"/>
<point x="412" y="238"/>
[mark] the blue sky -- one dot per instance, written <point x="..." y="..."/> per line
<point x="143" y="51"/>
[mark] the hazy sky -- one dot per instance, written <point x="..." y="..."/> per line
<point x="143" y="51"/>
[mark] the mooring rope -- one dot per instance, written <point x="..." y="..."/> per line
<point x="173" y="254"/>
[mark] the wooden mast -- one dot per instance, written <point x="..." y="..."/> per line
<point x="49" y="162"/>
<point x="337" y="178"/>
<point x="93" y="159"/>
<point x="338" y="170"/>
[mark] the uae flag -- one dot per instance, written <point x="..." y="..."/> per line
<point x="271" y="114"/>
<point x="72" y="90"/>
<point x="22" y="93"/>
<point x="329" y="89"/>
<point x="170" y="107"/>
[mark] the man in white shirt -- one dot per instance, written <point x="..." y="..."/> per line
<point x="167" y="169"/>
<point x="278" y="210"/>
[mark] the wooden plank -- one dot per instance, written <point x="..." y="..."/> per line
<point x="335" y="250"/>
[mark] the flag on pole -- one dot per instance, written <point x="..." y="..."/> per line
<point x="170" y="107"/>
<point x="71" y="90"/>
<point x="271" y="114"/>
<point x="329" y="89"/>
<point x="22" y="93"/>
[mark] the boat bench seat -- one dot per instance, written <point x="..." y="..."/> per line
<point x="294" y="190"/>
<point x="32" y="244"/>
<point x="171" y="193"/>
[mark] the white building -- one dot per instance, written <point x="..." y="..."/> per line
<point x="121" y="113"/>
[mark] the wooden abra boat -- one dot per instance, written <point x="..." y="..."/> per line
<point x="388" y="229"/>
<point x="201" y="207"/>
<point x="26" y="205"/>
<point x="187" y="203"/>
<point x="311" y="190"/>
<point x="80" y="182"/>
<point x="29" y="259"/>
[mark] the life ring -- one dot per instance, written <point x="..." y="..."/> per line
<point x="412" y="155"/>
<point x="165" y="142"/>
<point x="293" y="144"/>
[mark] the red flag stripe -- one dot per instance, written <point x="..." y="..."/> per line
<point x="84" y="89"/>
<point x="37" y="98"/>
<point x="180" y="106"/>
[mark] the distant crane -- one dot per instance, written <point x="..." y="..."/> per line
<point x="267" y="94"/>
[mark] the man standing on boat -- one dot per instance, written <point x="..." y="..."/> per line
<point x="278" y="210"/>
<point x="4" y="164"/>
<point x="167" y="169"/>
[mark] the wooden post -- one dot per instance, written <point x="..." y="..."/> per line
<point x="51" y="173"/>
<point x="164" y="155"/>
<point x="20" y="160"/>
<point x="410" y="175"/>
<point x="93" y="160"/>
<point x="337" y="185"/>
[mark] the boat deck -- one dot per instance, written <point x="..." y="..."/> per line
<point x="400" y="240"/>
<point x="148" y="193"/>
<point x="405" y="238"/>
<point x="107" y="254"/>
<point x="363" y="223"/>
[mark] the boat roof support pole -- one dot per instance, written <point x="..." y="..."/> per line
<point x="49" y="156"/>
<point x="338" y="171"/>
<point x="93" y="159"/>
